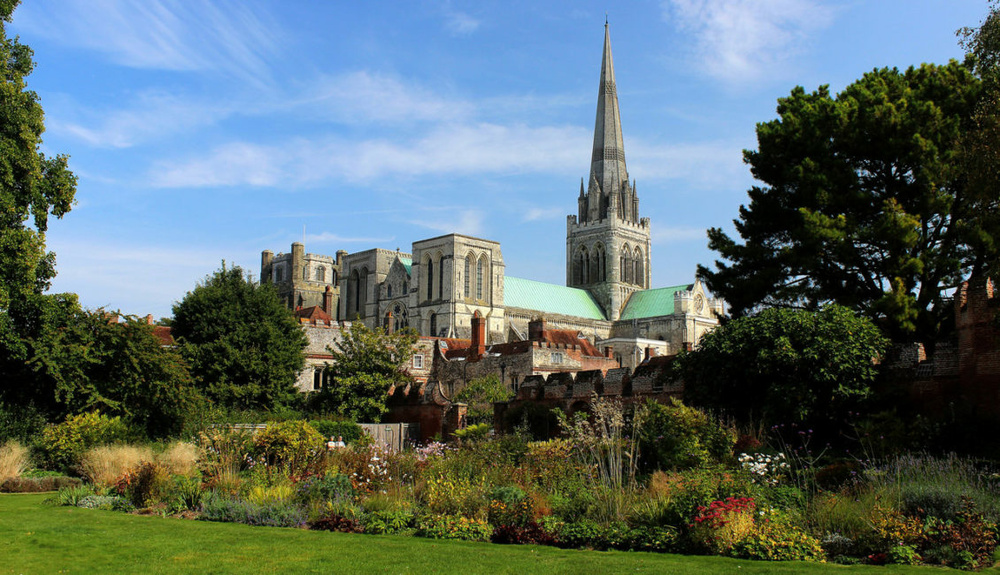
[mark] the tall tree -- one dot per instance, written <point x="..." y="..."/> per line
<point x="32" y="188"/>
<point x="862" y="202"/>
<point x="245" y="348"/>
<point x="981" y="142"/>
<point x="366" y="363"/>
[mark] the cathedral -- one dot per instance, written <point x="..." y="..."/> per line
<point x="447" y="282"/>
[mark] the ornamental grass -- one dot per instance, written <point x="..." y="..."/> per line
<point x="14" y="460"/>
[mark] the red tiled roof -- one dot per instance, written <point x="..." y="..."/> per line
<point x="313" y="314"/>
<point x="569" y="337"/>
<point x="163" y="334"/>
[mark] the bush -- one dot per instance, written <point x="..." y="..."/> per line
<point x="20" y="423"/>
<point x="292" y="445"/>
<point x="452" y="527"/>
<point x="62" y="445"/>
<point x="38" y="484"/>
<point x="531" y="533"/>
<point x="105" y="502"/>
<point x="720" y="525"/>
<point x="348" y="430"/>
<point x="777" y="539"/>
<point x="968" y="542"/>
<point x="676" y="436"/>
<point x="106" y="464"/>
<point x="388" y="522"/>
<point x="183" y="493"/>
<point x="142" y="484"/>
<point x="329" y="488"/>
<point x="272" y="514"/>
<point x="71" y="496"/>
<point x="13" y="460"/>
<point x="335" y="522"/>
<point x="510" y="506"/>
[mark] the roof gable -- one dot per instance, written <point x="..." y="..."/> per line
<point x="652" y="302"/>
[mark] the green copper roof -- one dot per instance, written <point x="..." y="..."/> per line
<point x="407" y="263"/>
<point x="550" y="298"/>
<point x="652" y="302"/>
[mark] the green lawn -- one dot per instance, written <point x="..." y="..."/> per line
<point x="37" y="538"/>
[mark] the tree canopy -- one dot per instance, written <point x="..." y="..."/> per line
<point x="785" y="365"/>
<point x="480" y="394"/>
<point x="862" y="202"/>
<point x="244" y="347"/>
<point x="366" y="363"/>
<point x="84" y="361"/>
<point x="32" y="188"/>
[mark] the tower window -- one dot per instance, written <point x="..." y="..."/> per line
<point x="321" y="274"/>
<point x="430" y="279"/>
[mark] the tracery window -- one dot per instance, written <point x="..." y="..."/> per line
<point x="321" y="274"/>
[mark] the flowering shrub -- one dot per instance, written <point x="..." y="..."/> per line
<point x="431" y="450"/>
<point x="764" y="469"/>
<point x="454" y="496"/>
<point x="367" y="467"/>
<point x="968" y="542"/>
<point x="452" y="527"/>
<point x="721" y="524"/>
<point x="510" y="506"/>
<point x="776" y="538"/>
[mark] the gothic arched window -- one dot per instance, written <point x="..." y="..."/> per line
<point x="388" y="291"/>
<point x="321" y="274"/>
<point x="440" y="277"/>
<point x="430" y="278"/>
<point x="482" y="275"/>
<point x="578" y="277"/>
<point x="470" y="262"/>
<point x="598" y="270"/>
<point x="639" y="268"/>
<point x="434" y="323"/>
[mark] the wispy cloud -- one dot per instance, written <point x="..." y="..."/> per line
<point x="365" y="96"/>
<point x="469" y="222"/>
<point x="230" y="37"/>
<point x="449" y="149"/>
<point x="702" y="166"/>
<point x="534" y="214"/>
<point x="151" y="116"/>
<point x="739" y="41"/>
<point x="460" y="23"/>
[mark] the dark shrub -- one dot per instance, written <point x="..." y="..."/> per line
<point x="334" y="488"/>
<point x="530" y="534"/>
<point x="337" y="523"/>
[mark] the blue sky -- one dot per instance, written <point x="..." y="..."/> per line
<point x="203" y="131"/>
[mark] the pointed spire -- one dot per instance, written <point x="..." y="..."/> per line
<point x="607" y="164"/>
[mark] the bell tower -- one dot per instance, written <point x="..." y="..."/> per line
<point x="607" y="243"/>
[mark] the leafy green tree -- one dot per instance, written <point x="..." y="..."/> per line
<point x="785" y="365"/>
<point x="862" y="202"/>
<point x="244" y="347"/>
<point x="32" y="188"/>
<point x="981" y="141"/>
<point x="82" y="361"/>
<point x="480" y="394"/>
<point x="366" y="363"/>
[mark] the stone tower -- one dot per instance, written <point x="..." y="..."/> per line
<point x="607" y="243"/>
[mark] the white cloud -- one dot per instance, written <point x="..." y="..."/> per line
<point x="450" y="149"/>
<point x="702" y="166"/>
<point x="371" y="96"/>
<point x="151" y="116"/>
<point x="460" y="23"/>
<point x="469" y="222"/>
<point x="229" y="37"/>
<point x="740" y="41"/>
<point x="534" y="214"/>
<point x="233" y="164"/>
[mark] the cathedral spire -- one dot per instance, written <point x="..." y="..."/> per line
<point x="607" y="164"/>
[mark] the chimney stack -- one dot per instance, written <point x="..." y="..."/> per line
<point x="478" y="348"/>
<point x="328" y="300"/>
<point x="536" y="329"/>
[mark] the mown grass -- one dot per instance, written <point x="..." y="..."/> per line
<point x="39" y="538"/>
